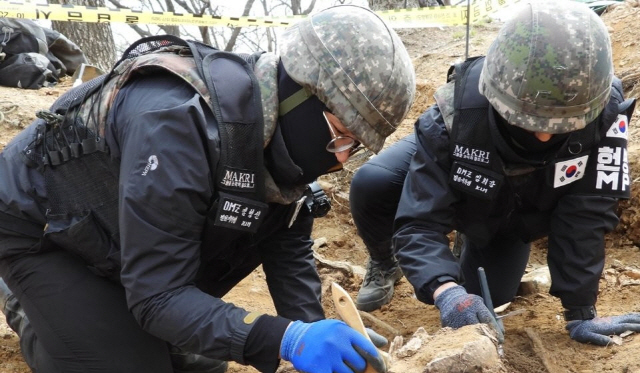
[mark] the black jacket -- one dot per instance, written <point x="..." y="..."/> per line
<point x="175" y="265"/>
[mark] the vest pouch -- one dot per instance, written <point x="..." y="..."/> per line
<point x="82" y="235"/>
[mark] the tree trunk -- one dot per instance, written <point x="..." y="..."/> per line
<point x="95" y="39"/>
<point x="236" y="30"/>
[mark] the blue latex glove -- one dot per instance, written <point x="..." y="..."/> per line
<point x="328" y="346"/>
<point x="598" y="330"/>
<point x="459" y="308"/>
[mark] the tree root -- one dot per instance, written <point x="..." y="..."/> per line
<point x="377" y="324"/>
<point x="346" y="267"/>
<point x="541" y="352"/>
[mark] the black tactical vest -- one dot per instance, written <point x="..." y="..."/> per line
<point x="496" y="195"/>
<point x="82" y="179"/>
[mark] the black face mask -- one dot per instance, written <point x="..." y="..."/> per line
<point x="525" y="142"/>
<point x="305" y="132"/>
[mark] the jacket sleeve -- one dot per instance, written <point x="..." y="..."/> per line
<point x="581" y="219"/>
<point x="289" y="265"/>
<point x="576" y="247"/>
<point x="165" y="191"/>
<point x="425" y="213"/>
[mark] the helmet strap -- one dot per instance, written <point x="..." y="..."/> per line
<point x="294" y="100"/>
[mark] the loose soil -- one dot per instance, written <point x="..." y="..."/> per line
<point x="536" y="340"/>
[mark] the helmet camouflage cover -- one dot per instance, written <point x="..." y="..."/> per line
<point x="356" y="65"/>
<point x="550" y="68"/>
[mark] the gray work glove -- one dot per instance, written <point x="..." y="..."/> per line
<point x="377" y="339"/>
<point x="459" y="308"/>
<point x="598" y="330"/>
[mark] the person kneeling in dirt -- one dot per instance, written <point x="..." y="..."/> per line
<point x="527" y="142"/>
<point x="139" y="200"/>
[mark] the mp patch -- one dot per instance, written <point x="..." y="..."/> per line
<point x="613" y="170"/>
<point x="607" y="172"/>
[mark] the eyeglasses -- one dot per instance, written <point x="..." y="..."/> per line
<point x="340" y="143"/>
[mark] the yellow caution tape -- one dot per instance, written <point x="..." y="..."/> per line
<point x="442" y="16"/>
<point x="401" y="18"/>
<point x="425" y="17"/>
<point x="76" y="13"/>
<point x="482" y="9"/>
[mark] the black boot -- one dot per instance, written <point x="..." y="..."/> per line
<point x="378" y="284"/>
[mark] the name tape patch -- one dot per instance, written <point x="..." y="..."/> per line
<point x="475" y="180"/>
<point x="239" y="213"/>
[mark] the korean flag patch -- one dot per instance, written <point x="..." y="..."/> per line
<point x="567" y="172"/>
<point x="619" y="128"/>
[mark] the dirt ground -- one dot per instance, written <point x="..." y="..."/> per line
<point x="536" y="340"/>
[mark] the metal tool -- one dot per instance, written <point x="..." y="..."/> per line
<point x="486" y="296"/>
<point x="85" y="72"/>
<point x="348" y="312"/>
<point x="512" y="313"/>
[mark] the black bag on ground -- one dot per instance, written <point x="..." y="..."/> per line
<point x="32" y="57"/>
<point x="27" y="70"/>
<point x="64" y="54"/>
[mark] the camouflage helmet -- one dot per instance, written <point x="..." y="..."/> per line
<point x="550" y="68"/>
<point x="356" y="65"/>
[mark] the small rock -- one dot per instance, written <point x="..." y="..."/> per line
<point x="626" y="334"/>
<point x="319" y="242"/>
<point x="403" y="350"/>
<point x="616" y="339"/>
<point x="536" y="281"/>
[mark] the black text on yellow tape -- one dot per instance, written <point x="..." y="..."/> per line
<point x="402" y="18"/>
<point x="76" y="13"/>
